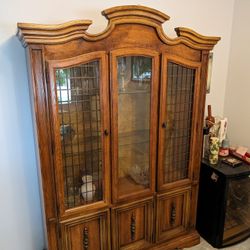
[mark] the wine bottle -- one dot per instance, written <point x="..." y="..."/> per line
<point x="209" y="119"/>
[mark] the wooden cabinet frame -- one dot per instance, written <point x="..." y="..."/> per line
<point x="196" y="121"/>
<point x="153" y="116"/>
<point x="132" y="30"/>
<point x="104" y="97"/>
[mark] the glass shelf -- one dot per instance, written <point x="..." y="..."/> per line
<point x="134" y="98"/>
<point x="134" y="137"/>
<point x="132" y="92"/>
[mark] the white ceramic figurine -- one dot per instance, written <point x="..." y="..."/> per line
<point x="88" y="188"/>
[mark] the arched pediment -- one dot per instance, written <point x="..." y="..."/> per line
<point x="131" y="14"/>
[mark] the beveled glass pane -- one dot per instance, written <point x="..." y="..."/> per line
<point x="78" y="97"/>
<point x="180" y="94"/>
<point x="134" y="87"/>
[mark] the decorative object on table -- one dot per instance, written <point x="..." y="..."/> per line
<point x="224" y="149"/>
<point x="210" y="120"/>
<point x="88" y="188"/>
<point x="214" y="150"/>
<point x="241" y="153"/>
<point x="232" y="161"/>
<point x="222" y="130"/>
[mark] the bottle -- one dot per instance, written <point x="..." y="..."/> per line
<point x="209" y="119"/>
<point x="214" y="150"/>
<point x="224" y="149"/>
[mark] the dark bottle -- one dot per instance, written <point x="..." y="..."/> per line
<point x="209" y="119"/>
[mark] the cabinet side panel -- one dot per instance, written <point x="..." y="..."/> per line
<point x="38" y="94"/>
<point x="199" y="140"/>
<point x="201" y="110"/>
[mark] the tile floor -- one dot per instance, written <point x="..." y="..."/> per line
<point x="245" y="245"/>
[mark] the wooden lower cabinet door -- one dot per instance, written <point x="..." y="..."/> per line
<point x="173" y="213"/>
<point x="132" y="225"/>
<point x="87" y="233"/>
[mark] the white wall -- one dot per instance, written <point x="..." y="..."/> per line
<point x="237" y="101"/>
<point x="20" y="215"/>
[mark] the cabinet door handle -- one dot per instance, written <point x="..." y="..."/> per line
<point x="132" y="227"/>
<point x="85" y="238"/>
<point x="164" y="125"/>
<point x="173" y="214"/>
<point x="106" y="132"/>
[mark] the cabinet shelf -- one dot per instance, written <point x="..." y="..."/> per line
<point x="132" y="92"/>
<point x="134" y="137"/>
<point x="128" y="186"/>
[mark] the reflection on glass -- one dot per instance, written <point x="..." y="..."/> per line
<point x="180" y="90"/>
<point x="134" y="83"/>
<point x="237" y="218"/>
<point x="80" y="129"/>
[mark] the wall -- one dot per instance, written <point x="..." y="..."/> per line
<point x="21" y="220"/>
<point x="237" y="101"/>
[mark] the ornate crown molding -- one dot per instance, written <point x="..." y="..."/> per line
<point x="135" y="13"/>
<point x="52" y="33"/>
<point x="61" y="33"/>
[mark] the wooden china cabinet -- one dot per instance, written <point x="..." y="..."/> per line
<point x="118" y="117"/>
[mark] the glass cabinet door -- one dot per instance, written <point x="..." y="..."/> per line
<point x="237" y="217"/>
<point x="133" y="107"/>
<point x="80" y="130"/>
<point x="177" y="117"/>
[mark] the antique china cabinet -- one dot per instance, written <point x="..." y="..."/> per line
<point x="118" y="117"/>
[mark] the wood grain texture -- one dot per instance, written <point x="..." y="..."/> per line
<point x="130" y="14"/>
<point x="114" y="122"/>
<point x="173" y="210"/>
<point x="164" y="118"/>
<point x="161" y="216"/>
<point x="89" y="232"/>
<point x="121" y="216"/>
<point x="38" y="92"/>
<point x="59" y="177"/>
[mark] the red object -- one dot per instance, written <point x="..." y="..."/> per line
<point x="245" y="158"/>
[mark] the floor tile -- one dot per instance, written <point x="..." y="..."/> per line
<point x="204" y="245"/>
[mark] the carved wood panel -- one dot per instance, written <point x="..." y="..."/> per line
<point x="87" y="233"/>
<point x="132" y="225"/>
<point x="173" y="210"/>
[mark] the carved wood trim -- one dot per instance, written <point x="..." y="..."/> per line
<point x="29" y="33"/>
<point x="46" y="34"/>
<point x="103" y="219"/>
<point x="135" y="12"/>
<point x="116" y="212"/>
<point x="177" y="221"/>
<point x="85" y="238"/>
<point x="133" y="226"/>
<point x="173" y="214"/>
